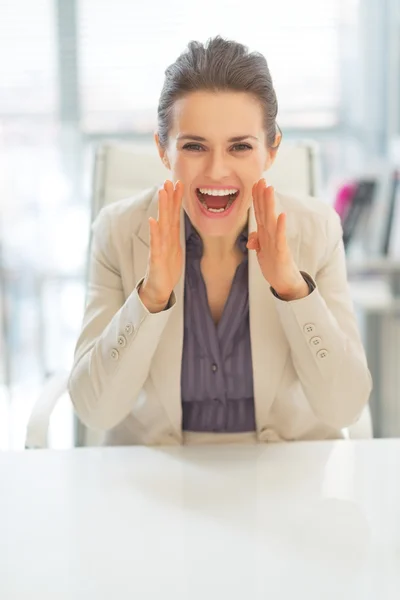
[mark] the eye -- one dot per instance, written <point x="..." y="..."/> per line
<point x="192" y="147"/>
<point x="197" y="147"/>
<point x="242" y="147"/>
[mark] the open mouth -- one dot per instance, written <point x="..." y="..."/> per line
<point x="218" y="203"/>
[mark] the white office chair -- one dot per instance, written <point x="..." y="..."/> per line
<point x="121" y="170"/>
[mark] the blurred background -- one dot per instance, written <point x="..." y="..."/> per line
<point x="76" y="73"/>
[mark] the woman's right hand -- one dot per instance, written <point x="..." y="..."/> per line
<point x="165" y="262"/>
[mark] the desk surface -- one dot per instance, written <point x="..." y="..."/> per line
<point x="310" y="520"/>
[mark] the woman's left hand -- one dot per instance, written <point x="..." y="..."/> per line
<point x="273" y="253"/>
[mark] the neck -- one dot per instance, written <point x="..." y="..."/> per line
<point x="222" y="247"/>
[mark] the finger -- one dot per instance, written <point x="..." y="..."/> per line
<point x="177" y="201"/>
<point x="170" y="189"/>
<point x="256" y="203"/>
<point x="280" y="239"/>
<point x="253" y="243"/>
<point x="269" y="211"/>
<point x="155" y="239"/>
<point x="163" y="212"/>
<point x="261" y="201"/>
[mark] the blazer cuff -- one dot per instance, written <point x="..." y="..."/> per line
<point x="309" y="281"/>
<point x="171" y="301"/>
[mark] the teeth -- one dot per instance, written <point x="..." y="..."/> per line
<point x="217" y="192"/>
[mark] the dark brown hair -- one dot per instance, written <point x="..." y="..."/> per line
<point x="219" y="65"/>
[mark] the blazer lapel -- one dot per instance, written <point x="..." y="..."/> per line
<point x="269" y="346"/>
<point x="166" y="364"/>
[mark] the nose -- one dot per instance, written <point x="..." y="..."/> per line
<point x="217" y="166"/>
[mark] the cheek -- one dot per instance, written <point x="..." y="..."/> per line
<point x="246" y="201"/>
<point x="184" y="169"/>
<point x="257" y="165"/>
<point x="253" y="173"/>
<point x="188" y="171"/>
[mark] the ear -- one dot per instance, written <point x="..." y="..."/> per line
<point x="161" y="151"/>
<point x="271" y="155"/>
<point x="272" y="152"/>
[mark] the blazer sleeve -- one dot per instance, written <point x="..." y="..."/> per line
<point x="325" y="342"/>
<point x="118" y="339"/>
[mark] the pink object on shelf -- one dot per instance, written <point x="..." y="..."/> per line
<point x="343" y="199"/>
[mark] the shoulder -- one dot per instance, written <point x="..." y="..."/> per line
<point x="124" y="217"/>
<point x="310" y="217"/>
<point x="313" y="226"/>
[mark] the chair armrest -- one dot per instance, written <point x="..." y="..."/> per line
<point x="362" y="430"/>
<point x="38" y="424"/>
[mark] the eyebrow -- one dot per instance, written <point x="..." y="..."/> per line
<point x="197" y="138"/>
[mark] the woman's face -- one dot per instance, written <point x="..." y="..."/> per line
<point x="217" y="148"/>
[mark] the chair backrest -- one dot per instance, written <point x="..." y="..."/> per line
<point x="121" y="170"/>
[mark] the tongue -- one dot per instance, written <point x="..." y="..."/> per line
<point x="215" y="201"/>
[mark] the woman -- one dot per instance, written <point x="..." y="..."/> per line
<point x="218" y="309"/>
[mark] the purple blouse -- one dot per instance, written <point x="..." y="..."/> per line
<point x="217" y="378"/>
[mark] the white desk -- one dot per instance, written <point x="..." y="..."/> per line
<point x="318" y="521"/>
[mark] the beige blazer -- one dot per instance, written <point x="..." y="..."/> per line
<point x="310" y="374"/>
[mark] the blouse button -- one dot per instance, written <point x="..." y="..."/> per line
<point x="214" y="367"/>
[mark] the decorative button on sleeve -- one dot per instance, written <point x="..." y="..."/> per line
<point x="114" y="354"/>
<point x="128" y="329"/>
<point x="121" y="341"/>
<point x="309" y="328"/>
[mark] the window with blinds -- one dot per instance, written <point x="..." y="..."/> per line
<point x="124" y="48"/>
<point x="28" y="60"/>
